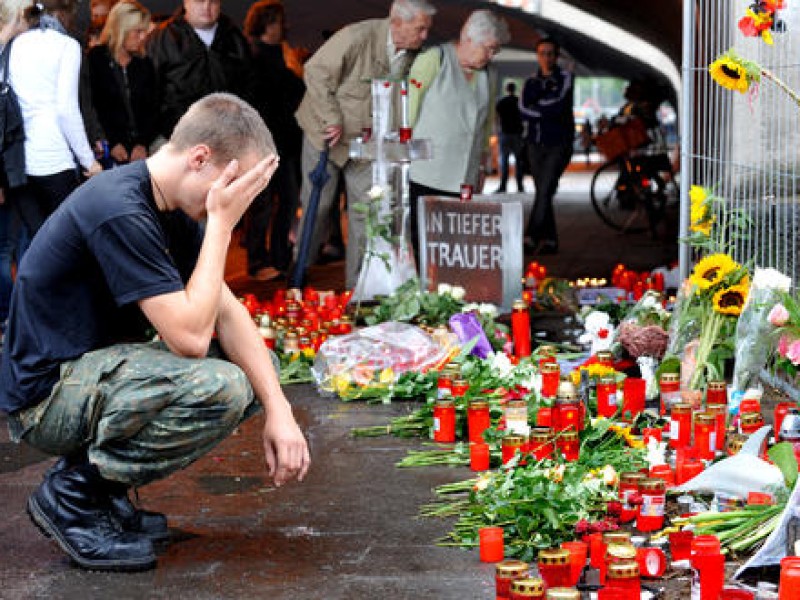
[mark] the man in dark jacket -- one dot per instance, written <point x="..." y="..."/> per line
<point x="546" y="104"/>
<point x="195" y="53"/>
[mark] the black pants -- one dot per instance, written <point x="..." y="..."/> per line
<point x="547" y="164"/>
<point x="36" y="200"/>
<point x="415" y="190"/>
<point x="285" y="190"/>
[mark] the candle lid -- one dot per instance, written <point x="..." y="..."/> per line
<point x="519" y="304"/>
<point x="682" y="408"/>
<point x="550" y="368"/>
<point x="512" y="567"/>
<point x="670" y="378"/>
<point x="652" y="485"/>
<point x="445" y="402"/>
<point x="554" y="556"/>
<point x="717" y="386"/>
<point x="735" y="443"/>
<point x="458" y="382"/>
<point x="717" y="409"/>
<point x="617" y="537"/>
<point x="625" y="551"/>
<point x="623" y="570"/>
<point x="532" y="585"/>
<point x="705" y="418"/>
<point x="563" y="594"/>
<point x="513" y="440"/>
<point x="478" y="404"/>
<point x="751" y="418"/>
<point x="604" y="355"/>
<point x="547" y="350"/>
<point x="608" y="380"/>
<point x="517" y="403"/>
<point x="631" y="477"/>
<point x="567" y="398"/>
<point x="569" y="435"/>
<point x="540" y="435"/>
<point x="566" y="388"/>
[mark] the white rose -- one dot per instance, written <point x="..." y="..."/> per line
<point x="471" y="307"/>
<point x="771" y="279"/>
<point x="488" y="309"/>
<point x="375" y="192"/>
<point x="444" y="288"/>
<point x="458" y="292"/>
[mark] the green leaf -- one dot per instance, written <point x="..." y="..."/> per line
<point x="783" y="456"/>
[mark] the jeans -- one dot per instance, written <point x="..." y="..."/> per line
<point x="511" y="143"/>
<point x="547" y="164"/>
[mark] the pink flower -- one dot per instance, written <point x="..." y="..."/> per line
<point x="793" y="353"/>
<point x="778" y="316"/>
<point x="783" y="345"/>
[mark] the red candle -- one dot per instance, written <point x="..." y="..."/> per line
<point x="521" y="329"/>
<point x="578" y="552"/>
<point x="623" y="577"/>
<point x="607" y="397"/>
<point x="790" y="578"/>
<point x="720" y="412"/>
<point x="597" y="550"/>
<point x="670" y="386"/>
<point x="444" y="421"/>
<point x="490" y="540"/>
<point x="705" y="435"/>
<point x="628" y="488"/>
<point x="478" y="419"/>
<point x="680" y="425"/>
<point x="466" y="192"/>
<point x="687" y="468"/>
<point x="633" y="397"/>
<point x="651" y="512"/>
<point x="749" y="405"/>
<point x="554" y="567"/>
<point x="680" y="544"/>
<point x="717" y="392"/>
<point x="479" y="456"/>
<point x="649" y="433"/>
<point x="570" y="446"/>
<point x="551" y="377"/>
<point x="507" y="572"/>
<point x="544" y="418"/>
<point x="709" y="564"/>
<point x="511" y="446"/>
<point x="781" y="410"/>
<point x="750" y="422"/>
<point x="658" y="281"/>
<point x="663" y="472"/>
<point x="541" y="444"/>
<point x="567" y="414"/>
<point x="405" y="134"/>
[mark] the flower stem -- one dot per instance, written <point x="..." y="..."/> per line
<point x="781" y="84"/>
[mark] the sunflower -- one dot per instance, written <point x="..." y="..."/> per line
<point x="730" y="300"/>
<point x="701" y="217"/>
<point x="734" y="73"/>
<point x="712" y="270"/>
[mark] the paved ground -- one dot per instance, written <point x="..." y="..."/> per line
<point x="348" y="532"/>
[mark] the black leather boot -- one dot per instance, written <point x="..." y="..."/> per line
<point x="152" y="524"/>
<point x="73" y="507"/>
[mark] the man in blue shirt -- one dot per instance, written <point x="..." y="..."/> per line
<point x="123" y="253"/>
<point x="546" y="104"/>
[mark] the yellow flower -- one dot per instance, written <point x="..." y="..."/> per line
<point x="596" y="371"/>
<point x="729" y="301"/>
<point x="701" y="217"/>
<point x="386" y="376"/>
<point x="698" y="194"/>
<point x="309" y="352"/>
<point x="340" y="383"/>
<point x="734" y="73"/>
<point x="703" y="227"/>
<point x="712" y="270"/>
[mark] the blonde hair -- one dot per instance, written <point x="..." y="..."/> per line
<point x="11" y="9"/>
<point x="122" y="18"/>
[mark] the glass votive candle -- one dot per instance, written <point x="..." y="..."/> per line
<point x="664" y="472"/>
<point x="624" y="576"/>
<point x="651" y="512"/>
<point x="680" y="425"/>
<point x="633" y="397"/>
<point x="511" y="446"/>
<point x="478" y="419"/>
<point x="680" y="544"/>
<point x="531" y="588"/>
<point x="705" y="435"/>
<point x="687" y="468"/>
<point x="490" y="544"/>
<point x="597" y="550"/>
<point x="540" y="443"/>
<point x="629" y="487"/>
<point x="607" y="397"/>
<point x="578" y="552"/>
<point x="544" y="418"/>
<point x="567" y="413"/>
<point x="720" y="412"/>
<point x="717" y="393"/>
<point x="479" y="456"/>
<point x="562" y="593"/>
<point x="554" y="567"/>
<point x="570" y="445"/>
<point x="750" y="422"/>
<point x="789" y="587"/>
<point x="551" y="377"/>
<point x="444" y="421"/>
<point x="506" y="572"/>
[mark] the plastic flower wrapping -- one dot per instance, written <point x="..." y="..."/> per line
<point x="754" y="328"/>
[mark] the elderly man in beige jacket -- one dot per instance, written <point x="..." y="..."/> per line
<point x="337" y="106"/>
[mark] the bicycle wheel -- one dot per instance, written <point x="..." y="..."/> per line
<point x="617" y="198"/>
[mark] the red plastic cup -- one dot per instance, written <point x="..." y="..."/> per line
<point x="479" y="456"/>
<point x="578" y="551"/>
<point x="597" y="550"/>
<point x="633" y="396"/>
<point x="491" y="544"/>
<point x="789" y="588"/>
<point x="680" y="544"/>
<point x="544" y="418"/>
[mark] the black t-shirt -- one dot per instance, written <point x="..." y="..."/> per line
<point x="510" y="117"/>
<point x="105" y="248"/>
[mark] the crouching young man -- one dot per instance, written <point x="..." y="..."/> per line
<point x="123" y="254"/>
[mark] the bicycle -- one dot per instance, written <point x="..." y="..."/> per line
<point x="630" y="192"/>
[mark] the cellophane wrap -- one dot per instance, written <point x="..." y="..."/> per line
<point x="753" y="330"/>
<point x="379" y="353"/>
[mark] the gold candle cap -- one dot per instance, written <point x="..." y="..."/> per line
<point x="717" y="386"/>
<point x="554" y="556"/>
<point x="513" y="440"/>
<point x="540" y="436"/>
<point x="550" y="367"/>
<point x="670" y="378"/>
<point x="617" y="537"/>
<point x="619" y="552"/>
<point x="529" y="586"/>
<point x="512" y="568"/>
<point x="750" y="418"/>
<point x="631" y="477"/>
<point x="547" y="350"/>
<point x="681" y="408"/>
<point x="519" y="304"/>
<point x="705" y="418"/>
<point x="652" y="485"/>
<point x="563" y="594"/>
<point x="478" y="404"/>
<point x="569" y="435"/>
<point x="624" y="569"/>
<point x="444" y="402"/>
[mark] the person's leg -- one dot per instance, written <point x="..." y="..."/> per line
<point x="505" y="152"/>
<point x="287" y="191"/>
<point x="358" y="181"/>
<point x="519" y="162"/>
<point x="552" y="163"/>
<point x="309" y="160"/>
<point x="255" y="236"/>
<point x="536" y="220"/>
<point x="6" y="253"/>
<point x="55" y="188"/>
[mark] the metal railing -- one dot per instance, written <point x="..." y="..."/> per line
<point x="746" y="147"/>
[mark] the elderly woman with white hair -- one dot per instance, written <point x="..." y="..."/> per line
<point x="452" y="92"/>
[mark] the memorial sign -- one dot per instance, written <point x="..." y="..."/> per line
<point x="475" y="244"/>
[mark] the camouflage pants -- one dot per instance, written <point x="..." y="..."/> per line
<point x="138" y="411"/>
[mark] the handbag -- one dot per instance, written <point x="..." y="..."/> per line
<point x="12" y="130"/>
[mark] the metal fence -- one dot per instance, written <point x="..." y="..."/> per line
<point x="746" y="147"/>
